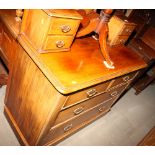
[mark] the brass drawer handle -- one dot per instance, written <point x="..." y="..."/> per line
<point x="126" y="78"/>
<point x="65" y="28"/>
<point x="91" y="93"/>
<point x="114" y="93"/>
<point x="78" y="110"/>
<point x="101" y="109"/>
<point x="68" y="127"/>
<point x="60" y="43"/>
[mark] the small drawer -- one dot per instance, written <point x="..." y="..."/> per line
<point x="58" y="42"/>
<point x="63" y="130"/>
<point x="120" y="40"/>
<point x="127" y="30"/>
<point x="60" y="26"/>
<point x="88" y="104"/>
<point x="86" y="94"/>
<point x="123" y="80"/>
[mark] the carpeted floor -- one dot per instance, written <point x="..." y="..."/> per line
<point x="125" y="125"/>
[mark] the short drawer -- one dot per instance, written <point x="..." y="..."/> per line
<point x="120" y="40"/>
<point x="58" y="42"/>
<point x="86" y="94"/>
<point x="128" y="29"/>
<point x="88" y="104"/>
<point x="61" y="26"/>
<point x="123" y="80"/>
<point x="62" y="130"/>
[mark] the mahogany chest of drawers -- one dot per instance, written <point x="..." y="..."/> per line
<point x="52" y="95"/>
<point x="119" y="30"/>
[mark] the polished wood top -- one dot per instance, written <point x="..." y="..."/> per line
<point x="8" y="18"/>
<point x="63" y="13"/>
<point x="83" y="66"/>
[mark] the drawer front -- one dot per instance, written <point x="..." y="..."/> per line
<point x="120" y="40"/>
<point x="62" y="130"/>
<point x="62" y="26"/>
<point x="58" y="42"/>
<point x="88" y="104"/>
<point x="123" y="79"/>
<point x="128" y="29"/>
<point x="86" y="94"/>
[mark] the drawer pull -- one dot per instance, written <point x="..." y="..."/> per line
<point x="65" y="28"/>
<point x="101" y="109"/>
<point x="68" y="127"/>
<point x="126" y="78"/>
<point x="60" y="43"/>
<point x="91" y="93"/>
<point x="114" y="93"/>
<point x="78" y="110"/>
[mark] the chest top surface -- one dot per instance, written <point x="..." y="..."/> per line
<point x="83" y="66"/>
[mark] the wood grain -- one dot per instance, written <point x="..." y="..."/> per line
<point x="83" y="66"/>
<point x="32" y="101"/>
<point x="149" y="139"/>
<point x="40" y="27"/>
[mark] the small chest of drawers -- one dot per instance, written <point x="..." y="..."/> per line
<point x="119" y="30"/>
<point x="50" y="30"/>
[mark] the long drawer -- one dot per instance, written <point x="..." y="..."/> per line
<point x="123" y="80"/>
<point x="62" y="130"/>
<point x="86" y="94"/>
<point x="84" y="106"/>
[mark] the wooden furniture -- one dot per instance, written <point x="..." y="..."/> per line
<point x="8" y="35"/>
<point x="145" y="47"/>
<point x="50" y="30"/>
<point x="3" y="74"/>
<point x="120" y="28"/>
<point x="149" y="139"/>
<point x="52" y="95"/>
<point x="142" y="17"/>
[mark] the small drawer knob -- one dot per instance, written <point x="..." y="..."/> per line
<point x="91" y="93"/>
<point x="60" y="43"/>
<point x="140" y="48"/>
<point x="78" y="110"/>
<point x="65" y="28"/>
<point x="68" y="127"/>
<point x="128" y="30"/>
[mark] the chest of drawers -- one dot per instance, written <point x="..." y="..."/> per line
<point x="50" y="30"/>
<point x="45" y="116"/>
<point x="119" y="30"/>
<point x="52" y="95"/>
